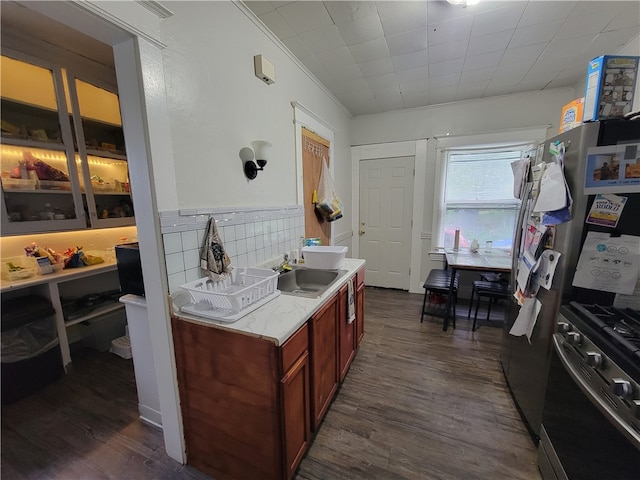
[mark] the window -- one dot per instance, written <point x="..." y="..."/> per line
<point x="477" y="195"/>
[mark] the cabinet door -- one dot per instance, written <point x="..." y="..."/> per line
<point x="101" y="148"/>
<point x="40" y="188"/>
<point x="324" y="359"/>
<point x="346" y="332"/>
<point x="359" y="306"/>
<point x="296" y="414"/>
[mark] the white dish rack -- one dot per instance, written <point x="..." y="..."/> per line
<point x="234" y="297"/>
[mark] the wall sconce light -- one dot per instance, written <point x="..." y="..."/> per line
<point x="261" y="154"/>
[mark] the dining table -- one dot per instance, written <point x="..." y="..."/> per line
<point x="496" y="260"/>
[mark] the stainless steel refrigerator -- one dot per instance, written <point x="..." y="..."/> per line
<point x="526" y="365"/>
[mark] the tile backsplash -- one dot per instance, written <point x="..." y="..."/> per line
<point x="251" y="237"/>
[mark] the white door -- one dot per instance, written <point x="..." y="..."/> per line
<point x="386" y="194"/>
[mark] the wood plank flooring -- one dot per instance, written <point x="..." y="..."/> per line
<point x="418" y="403"/>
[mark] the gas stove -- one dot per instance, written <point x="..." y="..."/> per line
<point x="613" y="330"/>
<point x="600" y="346"/>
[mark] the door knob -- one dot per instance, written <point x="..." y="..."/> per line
<point x="361" y="232"/>
<point x="362" y="223"/>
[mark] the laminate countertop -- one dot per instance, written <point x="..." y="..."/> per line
<point x="278" y="319"/>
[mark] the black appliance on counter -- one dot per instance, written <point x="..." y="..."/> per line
<point x="130" y="268"/>
<point x="539" y="381"/>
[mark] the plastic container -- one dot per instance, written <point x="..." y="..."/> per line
<point x="325" y="257"/>
<point x="246" y="287"/>
<point x="121" y="346"/>
<point x="19" y="267"/>
<point x="19" y="184"/>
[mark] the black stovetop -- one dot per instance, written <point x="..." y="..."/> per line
<point x="614" y="330"/>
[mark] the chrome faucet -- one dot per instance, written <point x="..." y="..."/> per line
<point x="284" y="266"/>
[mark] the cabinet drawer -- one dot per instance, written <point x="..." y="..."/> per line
<point x="360" y="277"/>
<point x="294" y="347"/>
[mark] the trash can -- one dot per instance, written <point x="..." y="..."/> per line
<point x="30" y="354"/>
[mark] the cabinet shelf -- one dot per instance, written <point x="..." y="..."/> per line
<point x="96" y="313"/>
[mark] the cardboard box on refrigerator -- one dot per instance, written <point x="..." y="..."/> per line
<point x="611" y="84"/>
<point x="571" y="115"/>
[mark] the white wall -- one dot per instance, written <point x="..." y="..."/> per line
<point x="470" y="117"/>
<point x="217" y="106"/>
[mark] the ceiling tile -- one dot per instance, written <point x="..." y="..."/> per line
<point x="418" y="85"/>
<point x="305" y="16"/>
<point x="476" y="62"/>
<point x="386" y="92"/>
<point x="345" y="72"/>
<point x="322" y="39"/>
<point x="522" y="54"/>
<point x="628" y="17"/>
<point x="274" y="22"/>
<point x="524" y="87"/>
<point x="415" y="74"/>
<point x="361" y="30"/>
<point x="438" y="12"/>
<point x="388" y="80"/>
<point x="478" y="75"/>
<point x="377" y="67"/>
<point x="356" y="85"/>
<point x="342" y="12"/>
<point x="576" y="26"/>
<point x="611" y="41"/>
<point x="442" y="94"/>
<point x="415" y="99"/>
<point x="539" y="12"/>
<point x="510" y="74"/>
<point x="532" y="34"/>
<point x="470" y="91"/>
<point x="337" y="57"/>
<point x="450" y="30"/>
<point x="444" y="80"/>
<point x="402" y="16"/>
<point x="445" y="68"/>
<point x="489" y="43"/>
<point x="369" y="51"/>
<point x="506" y="18"/>
<point x="595" y="8"/>
<point x="448" y="51"/>
<point x="566" y="48"/>
<point x="312" y="64"/>
<point x="407" y="42"/>
<point x="297" y="47"/>
<point x="410" y="60"/>
<point x="260" y="8"/>
<point x="495" y="90"/>
<point x="390" y="103"/>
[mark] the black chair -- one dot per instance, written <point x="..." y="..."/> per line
<point x="436" y="291"/>
<point x="493" y="291"/>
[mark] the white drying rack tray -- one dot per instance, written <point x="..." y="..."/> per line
<point x="233" y="296"/>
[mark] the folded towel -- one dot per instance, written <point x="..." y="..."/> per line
<point x="213" y="259"/>
<point x="351" y="303"/>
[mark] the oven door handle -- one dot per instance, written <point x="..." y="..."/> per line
<point x="593" y="396"/>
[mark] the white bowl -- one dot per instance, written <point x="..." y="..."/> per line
<point x="325" y="257"/>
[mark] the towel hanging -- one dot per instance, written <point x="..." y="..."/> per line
<point x="351" y="303"/>
<point x="213" y="258"/>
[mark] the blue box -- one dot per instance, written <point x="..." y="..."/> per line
<point x="611" y="85"/>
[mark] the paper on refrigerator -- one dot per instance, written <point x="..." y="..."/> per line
<point x="545" y="268"/>
<point x="526" y="319"/>
<point x="609" y="264"/>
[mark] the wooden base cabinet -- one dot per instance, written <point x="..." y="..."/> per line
<point x="324" y="359"/>
<point x="359" y="306"/>
<point x="347" y="332"/>
<point x="245" y="401"/>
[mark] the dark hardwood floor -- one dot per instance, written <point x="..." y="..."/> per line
<point x="418" y="403"/>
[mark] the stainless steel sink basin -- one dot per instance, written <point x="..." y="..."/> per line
<point x="308" y="282"/>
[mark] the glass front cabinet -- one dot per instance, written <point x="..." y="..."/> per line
<point x="62" y="156"/>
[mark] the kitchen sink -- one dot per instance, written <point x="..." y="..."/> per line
<point x="307" y="282"/>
